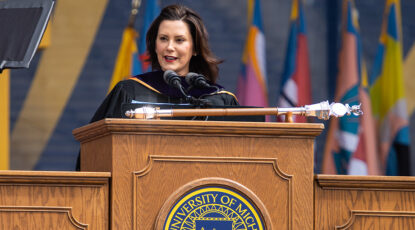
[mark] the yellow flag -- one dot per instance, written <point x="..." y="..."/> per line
<point x="123" y="64"/>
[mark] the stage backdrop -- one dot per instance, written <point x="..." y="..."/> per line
<point x="68" y="80"/>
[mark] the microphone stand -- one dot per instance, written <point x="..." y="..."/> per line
<point x="203" y="103"/>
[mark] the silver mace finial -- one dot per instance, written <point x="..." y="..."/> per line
<point x="324" y="110"/>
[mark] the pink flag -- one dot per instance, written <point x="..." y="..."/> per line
<point x="252" y="83"/>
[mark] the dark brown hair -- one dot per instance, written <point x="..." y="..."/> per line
<point x="204" y="62"/>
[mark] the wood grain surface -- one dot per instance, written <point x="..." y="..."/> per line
<point x="154" y="182"/>
<point x="54" y="200"/>
<point x="364" y="202"/>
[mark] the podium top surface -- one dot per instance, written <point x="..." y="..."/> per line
<point x="115" y="125"/>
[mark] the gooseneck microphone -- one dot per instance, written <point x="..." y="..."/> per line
<point x="173" y="79"/>
<point x="197" y="80"/>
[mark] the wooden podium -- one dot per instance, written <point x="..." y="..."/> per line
<point x="192" y="175"/>
<point x="157" y="164"/>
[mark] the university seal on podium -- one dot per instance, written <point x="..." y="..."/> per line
<point x="213" y="207"/>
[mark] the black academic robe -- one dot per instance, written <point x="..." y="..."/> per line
<point x="150" y="87"/>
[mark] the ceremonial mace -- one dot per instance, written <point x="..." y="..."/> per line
<point x="322" y="110"/>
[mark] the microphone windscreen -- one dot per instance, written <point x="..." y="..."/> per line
<point x="168" y="76"/>
<point x="190" y="78"/>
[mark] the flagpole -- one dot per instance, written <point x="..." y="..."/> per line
<point x="135" y="5"/>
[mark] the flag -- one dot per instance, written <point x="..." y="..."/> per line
<point x="351" y="145"/>
<point x="129" y="62"/>
<point x="127" y="55"/>
<point x="152" y="10"/>
<point x="388" y="95"/>
<point x="296" y="76"/>
<point x="252" y="82"/>
<point x="408" y="73"/>
<point x="4" y="119"/>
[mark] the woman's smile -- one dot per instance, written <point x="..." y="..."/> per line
<point x="170" y="58"/>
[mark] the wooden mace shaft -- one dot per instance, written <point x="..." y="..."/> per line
<point x="155" y="113"/>
<point x="222" y="112"/>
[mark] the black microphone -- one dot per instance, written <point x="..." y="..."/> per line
<point x="197" y="80"/>
<point x="171" y="78"/>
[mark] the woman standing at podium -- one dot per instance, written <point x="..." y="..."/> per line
<point x="177" y="41"/>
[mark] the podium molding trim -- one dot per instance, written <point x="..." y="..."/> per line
<point x="354" y="214"/>
<point x="45" y="209"/>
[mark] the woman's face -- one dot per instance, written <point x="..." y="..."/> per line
<point x="174" y="46"/>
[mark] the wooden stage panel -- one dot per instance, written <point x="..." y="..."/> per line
<point x="364" y="202"/>
<point x="54" y="200"/>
